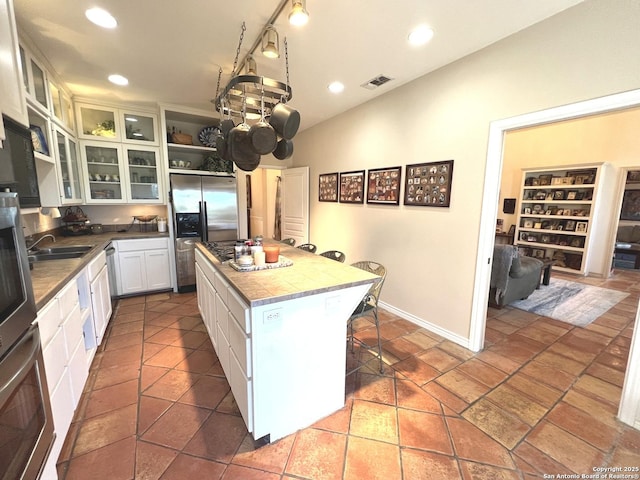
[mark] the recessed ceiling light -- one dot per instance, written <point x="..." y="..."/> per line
<point x="101" y="17"/>
<point x="336" y="87"/>
<point x="420" y="35"/>
<point x="118" y="79"/>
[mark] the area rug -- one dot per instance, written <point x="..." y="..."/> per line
<point x="570" y="302"/>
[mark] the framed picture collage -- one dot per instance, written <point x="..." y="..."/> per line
<point x="425" y="184"/>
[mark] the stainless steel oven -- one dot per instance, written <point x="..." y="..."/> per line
<point x="26" y="423"/>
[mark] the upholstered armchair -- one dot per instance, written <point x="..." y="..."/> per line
<point x="513" y="277"/>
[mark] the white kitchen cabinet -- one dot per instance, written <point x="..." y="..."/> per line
<point x="143" y="177"/>
<point x="98" y="277"/>
<point x="60" y="322"/>
<point x="104" y="172"/>
<point x="143" y="265"/>
<point x="12" y="101"/>
<point x="68" y="163"/>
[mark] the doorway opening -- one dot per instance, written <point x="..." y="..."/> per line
<point x="486" y="239"/>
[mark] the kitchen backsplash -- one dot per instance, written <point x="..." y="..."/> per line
<point x="121" y="216"/>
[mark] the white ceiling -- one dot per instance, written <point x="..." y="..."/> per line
<point x="171" y="51"/>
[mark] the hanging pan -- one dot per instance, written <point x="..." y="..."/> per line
<point x="284" y="149"/>
<point x="240" y="149"/>
<point x="262" y="135"/>
<point x="285" y="120"/>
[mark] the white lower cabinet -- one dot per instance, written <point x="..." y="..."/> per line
<point x="71" y="327"/>
<point x="65" y="363"/>
<point x="144" y="265"/>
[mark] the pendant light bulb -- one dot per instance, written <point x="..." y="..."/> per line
<point x="251" y="68"/>
<point x="270" y="42"/>
<point x="298" y="15"/>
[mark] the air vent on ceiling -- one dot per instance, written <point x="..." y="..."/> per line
<point x="376" y="82"/>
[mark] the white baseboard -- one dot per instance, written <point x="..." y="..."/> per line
<point x="454" y="337"/>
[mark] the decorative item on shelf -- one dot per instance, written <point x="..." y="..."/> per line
<point x="38" y="140"/>
<point x="104" y="129"/>
<point x="208" y="136"/>
<point x="181" y="138"/>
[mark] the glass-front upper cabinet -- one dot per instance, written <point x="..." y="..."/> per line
<point x="104" y="172"/>
<point x="97" y="122"/>
<point x="69" y="167"/>
<point x="34" y="78"/>
<point x="61" y="106"/>
<point x="143" y="174"/>
<point x="139" y="128"/>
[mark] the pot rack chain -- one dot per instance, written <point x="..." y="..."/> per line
<point x="235" y="62"/>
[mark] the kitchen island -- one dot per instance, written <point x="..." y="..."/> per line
<point x="280" y="335"/>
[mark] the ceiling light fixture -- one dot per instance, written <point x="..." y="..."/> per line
<point x="101" y="17"/>
<point x="270" y="42"/>
<point x="118" y="80"/>
<point x="336" y="87"/>
<point x="251" y="68"/>
<point x="420" y="35"/>
<point x="298" y="15"/>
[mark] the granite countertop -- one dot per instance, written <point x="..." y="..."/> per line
<point x="310" y="274"/>
<point x="50" y="276"/>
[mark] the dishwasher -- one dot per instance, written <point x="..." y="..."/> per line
<point x="113" y="270"/>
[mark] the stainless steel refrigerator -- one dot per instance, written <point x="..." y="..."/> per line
<point x="205" y="208"/>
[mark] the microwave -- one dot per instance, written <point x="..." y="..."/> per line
<point x="17" y="305"/>
<point x="18" y="165"/>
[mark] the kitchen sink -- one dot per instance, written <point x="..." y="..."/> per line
<point x="58" y="253"/>
<point x="79" y="249"/>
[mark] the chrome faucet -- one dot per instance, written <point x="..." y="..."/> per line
<point x="33" y="245"/>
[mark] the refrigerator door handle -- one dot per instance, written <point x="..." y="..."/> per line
<point x="204" y="234"/>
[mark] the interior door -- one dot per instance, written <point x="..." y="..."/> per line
<point x="295" y="204"/>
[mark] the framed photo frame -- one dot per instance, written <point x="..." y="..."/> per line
<point x="428" y="184"/>
<point x="383" y="185"/>
<point x="528" y="223"/>
<point x="630" y="205"/>
<point x="582" y="227"/>
<point x="512" y="230"/>
<point x="527" y="211"/>
<point x="570" y="225"/>
<point x="544" y="179"/>
<point x="352" y="187"/>
<point x="328" y="187"/>
<point x="558" y="195"/>
<point x="633" y="176"/>
<point x="572" y="194"/>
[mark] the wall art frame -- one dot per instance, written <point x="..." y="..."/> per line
<point x="352" y="187"/>
<point x="428" y="184"/>
<point x="328" y="187"/>
<point x="383" y="185"/>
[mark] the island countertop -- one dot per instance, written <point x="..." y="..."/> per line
<point x="310" y="274"/>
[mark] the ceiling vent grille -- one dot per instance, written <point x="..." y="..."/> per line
<point x="376" y="82"/>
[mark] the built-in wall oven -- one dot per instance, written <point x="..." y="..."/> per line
<point x="26" y="423"/>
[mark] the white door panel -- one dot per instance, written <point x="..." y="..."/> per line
<point x="295" y="204"/>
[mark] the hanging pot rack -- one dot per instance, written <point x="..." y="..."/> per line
<point x="249" y="91"/>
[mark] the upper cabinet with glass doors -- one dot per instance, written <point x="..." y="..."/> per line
<point x="98" y="122"/>
<point x="35" y="80"/>
<point x="69" y="165"/>
<point x="61" y="106"/>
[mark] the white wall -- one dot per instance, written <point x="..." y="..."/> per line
<point x="430" y="253"/>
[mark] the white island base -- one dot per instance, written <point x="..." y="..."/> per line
<point x="284" y="355"/>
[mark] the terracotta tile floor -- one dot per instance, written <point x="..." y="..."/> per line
<point x="540" y="399"/>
